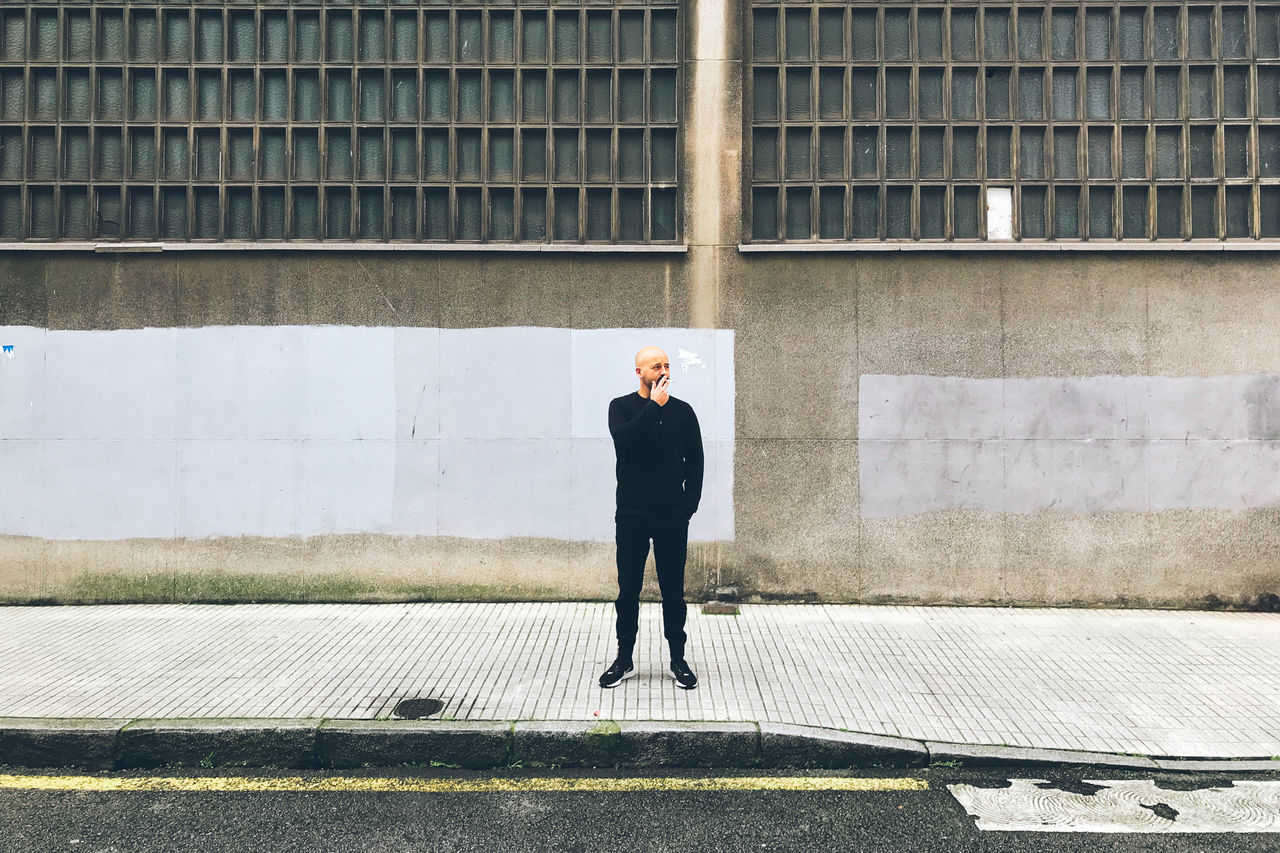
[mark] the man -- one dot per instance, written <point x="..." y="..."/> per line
<point x="659" y="450"/>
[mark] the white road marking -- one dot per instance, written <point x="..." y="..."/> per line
<point x="1032" y="805"/>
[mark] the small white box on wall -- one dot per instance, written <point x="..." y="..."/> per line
<point x="999" y="213"/>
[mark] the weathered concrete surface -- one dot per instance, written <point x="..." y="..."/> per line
<point x="576" y="743"/>
<point x="390" y="743"/>
<point x="641" y="744"/>
<point x="345" y="744"/>
<point x="712" y="156"/>
<point x="806" y="379"/>
<point x="939" y="555"/>
<point x="784" y="745"/>
<point x="823" y="323"/>
<point x="333" y="568"/>
<point x="1210" y="316"/>
<point x="973" y="755"/>
<point x="806" y="329"/>
<point x="789" y="542"/>
<point x="692" y="744"/>
<point x="24" y="300"/>
<point x="1083" y="318"/>
<point x="112" y="292"/>
<point x="33" y="742"/>
<point x="218" y="743"/>
<point x="1214" y="766"/>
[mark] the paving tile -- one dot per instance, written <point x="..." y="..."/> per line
<point x="1126" y="681"/>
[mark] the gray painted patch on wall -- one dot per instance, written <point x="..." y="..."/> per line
<point x="303" y="431"/>
<point x="1263" y="398"/>
<point x="1085" y="444"/>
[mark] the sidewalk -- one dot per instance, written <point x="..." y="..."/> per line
<point x="1128" y="683"/>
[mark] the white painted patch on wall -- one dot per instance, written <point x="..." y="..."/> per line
<point x="1033" y="805"/>
<point x="304" y="431"/>
<point x="1084" y="444"/>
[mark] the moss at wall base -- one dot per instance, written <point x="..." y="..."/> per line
<point x="247" y="588"/>
<point x="338" y="568"/>
<point x="1184" y="559"/>
<point x="241" y="588"/>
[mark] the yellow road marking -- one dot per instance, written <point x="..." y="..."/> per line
<point x="450" y="786"/>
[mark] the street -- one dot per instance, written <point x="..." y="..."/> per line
<point x="536" y="809"/>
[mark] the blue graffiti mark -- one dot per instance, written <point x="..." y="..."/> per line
<point x="8" y="348"/>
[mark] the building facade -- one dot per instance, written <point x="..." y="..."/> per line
<point x="977" y="301"/>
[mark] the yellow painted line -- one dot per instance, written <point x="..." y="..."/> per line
<point x="452" y="786"/>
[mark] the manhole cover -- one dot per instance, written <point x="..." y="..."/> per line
<point x="416" y="709"/>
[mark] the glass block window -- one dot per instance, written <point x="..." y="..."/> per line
<point x="379" y="120"/>
<point x="1034" y="120"/>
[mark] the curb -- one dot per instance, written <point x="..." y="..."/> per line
<point x="117" y="744"/>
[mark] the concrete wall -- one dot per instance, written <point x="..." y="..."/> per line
<point x="978" y="427"/>
<point x="989" y="482"/>
<point x="937" y="427"/>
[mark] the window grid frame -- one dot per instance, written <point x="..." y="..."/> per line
<point x="813" y="60"/>
<point x="111" y="193"/>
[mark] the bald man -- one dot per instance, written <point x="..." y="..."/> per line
<point x="659" y="450"/>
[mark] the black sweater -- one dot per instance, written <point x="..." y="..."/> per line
<point x="659" y="456"/>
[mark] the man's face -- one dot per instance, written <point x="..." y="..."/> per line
<point x="652" y="368"/>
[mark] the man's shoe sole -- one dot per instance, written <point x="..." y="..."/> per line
<point x="681" y="686"/>
<point x="628" y="674"/>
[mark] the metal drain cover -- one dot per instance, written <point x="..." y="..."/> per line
<point x="416" y="709"/>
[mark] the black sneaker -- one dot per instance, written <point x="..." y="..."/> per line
<point x="684" y="676"/>
<point x="619" y="671"/>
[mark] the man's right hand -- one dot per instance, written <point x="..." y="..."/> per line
<point x="659" y="393"/>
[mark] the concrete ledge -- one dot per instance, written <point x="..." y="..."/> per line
<point x="475" y="745"/>
<point x="125" y="247"/>
<point x="478" y="745"/>
<point x="677" y="744"/>
<point x="1218" y="765"/>
<point x="219" y="743"/>
<point x="1267" y="245"/>
<point x="552" y="743"/>
<point x="974" y="755"/>
<point x="33" y="742"/>
<point x="784" y="745"/>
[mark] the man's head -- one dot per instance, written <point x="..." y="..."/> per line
<point x="651" y="365"/>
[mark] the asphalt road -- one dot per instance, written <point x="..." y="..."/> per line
<point x="465" y="813"/>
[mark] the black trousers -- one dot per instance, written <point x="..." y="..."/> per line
<point x="670" y="537"/>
